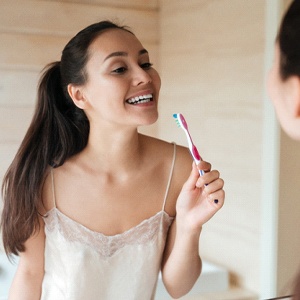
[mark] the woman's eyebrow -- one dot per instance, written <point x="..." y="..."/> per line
<point x="113" y="54"/>
<point x="122" y="53"/>
<point x="143" y="51"/>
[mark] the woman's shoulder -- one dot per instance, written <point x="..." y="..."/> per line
<point x="163" y="153"/>
<point x="163" y="147"/>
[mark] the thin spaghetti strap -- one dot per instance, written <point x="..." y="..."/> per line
<point x="53" y="188"/>
<point x="170" y="176"/>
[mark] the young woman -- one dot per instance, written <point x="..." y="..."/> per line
<point x="93" y="208"/>
<point x="284" y="80"/>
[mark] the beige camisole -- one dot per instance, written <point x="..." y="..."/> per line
<point x="81" y="264"/>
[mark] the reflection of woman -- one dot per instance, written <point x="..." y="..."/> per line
<point x="284" y="79"/>
<point x="94" y="195"/>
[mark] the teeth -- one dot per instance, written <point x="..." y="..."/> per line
<point x="140" y="99"/>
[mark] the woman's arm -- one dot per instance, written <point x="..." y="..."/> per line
<point x="27" y="283"/>
<point x="195" y="206"/>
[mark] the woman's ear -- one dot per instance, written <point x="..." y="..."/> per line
<point x="77" y="95"/>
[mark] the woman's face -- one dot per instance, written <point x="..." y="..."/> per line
<point x="122" y="88"/>
<point x="282" y="95"/>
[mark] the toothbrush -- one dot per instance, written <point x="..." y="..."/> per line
<point x="181" y="122"/>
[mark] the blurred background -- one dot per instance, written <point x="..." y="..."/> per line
<point x="213" y="57"/>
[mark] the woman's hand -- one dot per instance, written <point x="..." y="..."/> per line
<point x="200" y="198"/>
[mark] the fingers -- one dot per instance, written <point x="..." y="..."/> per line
<point x="194" y="175"/>
<point x="212" y="186"/>
<point x="204" y="165"/>
<point x="211" y="182"/>
<point x="192" y="180"/>
<point x="217" y="198"/>
<point x="201" y="196"/>
<point x="207" y="178"/>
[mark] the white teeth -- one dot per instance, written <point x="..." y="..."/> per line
<point x="140" y="99"/>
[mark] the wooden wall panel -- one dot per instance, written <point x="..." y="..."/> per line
<point x="7" y="153"/>
<point x="66" y="19"/>
<point x="17" y="87"/>
<point x="29" y="52"/>
<point x="14" y="122"/>
<point x="212" y="63"/>
<point x="34" y="51"/>
<point x="132" y="4"/>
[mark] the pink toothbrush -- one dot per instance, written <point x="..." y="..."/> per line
<point x="181" y="122"/>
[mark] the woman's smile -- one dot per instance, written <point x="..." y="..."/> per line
<point x="140" y="99"/>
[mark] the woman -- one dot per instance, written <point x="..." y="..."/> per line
<point x="93" y="208"/>
<point x="284" y="80"/>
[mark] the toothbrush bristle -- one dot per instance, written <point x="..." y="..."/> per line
<point x="178" y="122"/>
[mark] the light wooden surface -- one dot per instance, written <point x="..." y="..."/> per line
<point x="65" y="19"/>
<point x="212" y="57"/>
<point x="148" y="4"/>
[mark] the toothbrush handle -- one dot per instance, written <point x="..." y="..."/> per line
<point x="197" y="158"/>
<point x="201" y="172"/>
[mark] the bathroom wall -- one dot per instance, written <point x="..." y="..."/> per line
<point x="212" y="66"/>
<point x="214" y="57"/>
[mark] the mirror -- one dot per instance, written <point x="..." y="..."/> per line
<point x="212" y="57"/>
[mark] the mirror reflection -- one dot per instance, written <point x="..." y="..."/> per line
<point x="213" y="58"/>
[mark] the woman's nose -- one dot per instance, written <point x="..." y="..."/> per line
<point x="141" y="76"/>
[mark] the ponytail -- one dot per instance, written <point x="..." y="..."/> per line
<point x="57" y="131"/>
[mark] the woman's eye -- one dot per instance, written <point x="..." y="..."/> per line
<point x="120" y="70"/>
<point x="146" y="66"/>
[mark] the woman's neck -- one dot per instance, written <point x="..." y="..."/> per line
<point x="122" y="150"/>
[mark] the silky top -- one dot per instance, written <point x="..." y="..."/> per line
<point x="81" y="264"/>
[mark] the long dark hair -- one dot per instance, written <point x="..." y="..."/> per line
<point x="289" y="41"/>
<point x="58" y="130"/>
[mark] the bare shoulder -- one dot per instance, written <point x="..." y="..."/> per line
<point x="182" y="167"/>
<point x="164" y="152"/>
<point x="181" y="172"/>
<point x="165" y="147"/>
